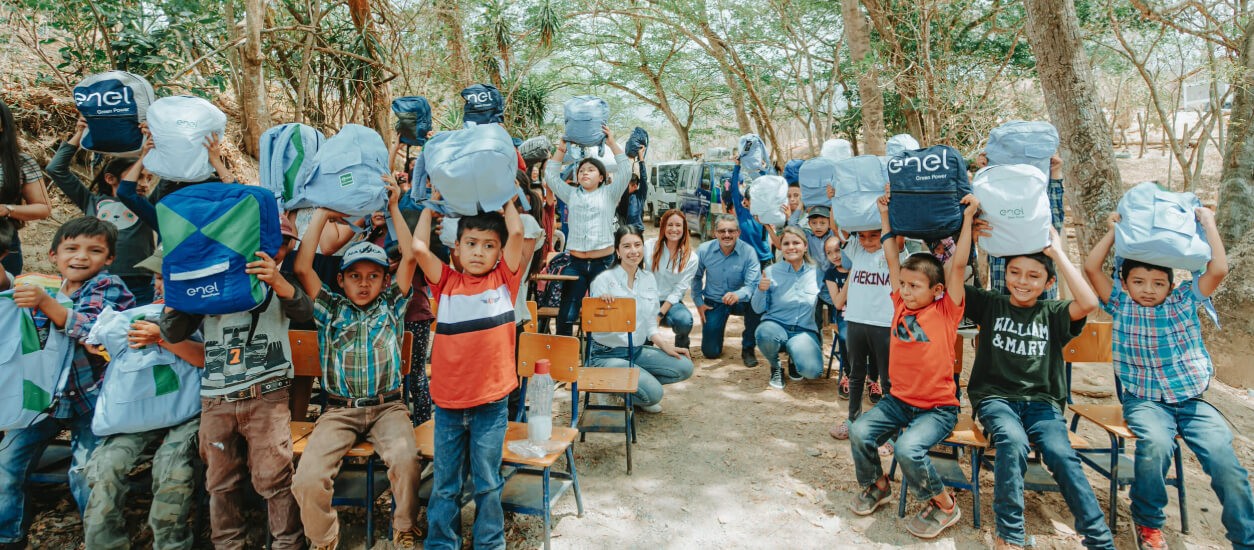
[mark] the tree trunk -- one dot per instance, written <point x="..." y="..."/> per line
<point x="858" y="38"/>
<point x="450" y="16"/>
<point x="252" y="88"/>
<point x="1094" y="183"/>
<point x="1236" y="188"/>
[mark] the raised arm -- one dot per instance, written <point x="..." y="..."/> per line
<point x="892" y="254"/>
<point x="59" y="169"/>
<point x="431" y="266"/>
<point x="214" y="144"/>
<point x="303" y="265"/>
<point x="128" y="192"/>
<point x="404" y="238"/>
<point x="622" y="168"/>
<point x="1101" y="282"/>
<point x="553" y="174"/>
<point x="1217" y="268"/>
<point x="956" y="274"/>
<point x="1084" y="300"/>
<point x="512" y="255"/>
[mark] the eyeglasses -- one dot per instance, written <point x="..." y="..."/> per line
<point x="726" y="231"/>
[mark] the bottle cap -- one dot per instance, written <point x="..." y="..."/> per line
<point x="542" y="366"/>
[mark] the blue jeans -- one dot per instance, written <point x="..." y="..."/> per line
<point x="1011" y="426"/>
<point x="656" y="368"/>
<point x="573" y="292"/>
<point x="716" y="323"/>
<point x="679" y="319"/>
<point x="468" y="442"/>
<point x="19" y="454"/>
<point x="924" y="428"/>
<point x="802" y="345"/>
<point x="1205" y="431"/>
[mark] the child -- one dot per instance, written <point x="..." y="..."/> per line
<point x="244" y="395"/>
<point x="135" y="239"/>
<point x="82" y="250"/>
<point x="1018" y="387"/>
<point x="1164" y="367"/>
<point x="834" y="279"/>
<point x="472" y="369"/>
<point x="868" y="307"/>
<point x="128" y="189"/>
<point x="173" y="479"/>
<point x="359" y="335"/>
<point x="927" y="306"/>
<point x="818" y="221"/>
<point x="796" y="214"/>
<point x="752" y="232"/>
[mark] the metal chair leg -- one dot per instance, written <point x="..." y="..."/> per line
<point x="977" y="456"/>
<point x="370" y="502"/>
<point x="1184" y="508"/>
<point x="574" y="479"/>
<point x="548" y="517"/>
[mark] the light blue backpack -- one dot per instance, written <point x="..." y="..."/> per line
<point x="754" y="159"/>
<point x="143" y="389"/>
<point x="585" y="115"/>
<point x="1160" y="227"/>
<point x="859" y="183"/>
<point x="1023" y="142"/>
<point x="285" y="149"/>
<point x="473" y="169"/>
<point x="346" y="175"/>
<point x="31" y="377"/>
<point x="815" y="176"/>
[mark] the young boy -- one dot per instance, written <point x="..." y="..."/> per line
<point x="927" y="306"/>
<point x="818" y="221"/>
<point x="104" y="525"/>
<point x="834" y="279"/>
<point x="472" y="369"/>
<point x="244" y="417"/>
<point x="1018" y="388"/>
<point x="359" y="335"/>
<point x="796" y="214"/>
<point x="1164" y="368"/>
<point x="82" y="251"/>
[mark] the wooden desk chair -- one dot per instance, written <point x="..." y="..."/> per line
<point x="1113" y="463"/>
<point x="599" y="316"/>
<point x="533" y="324"/>
<point x="355" y="486"/>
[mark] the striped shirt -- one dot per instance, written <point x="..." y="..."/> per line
<point x="29" y="172"/>
<point x="360" y="346"/>
<point x="472" y="354"/>
<point x="590" y="213"/>
<point x="1158" y="351"/>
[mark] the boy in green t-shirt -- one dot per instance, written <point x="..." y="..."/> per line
<point x="1018" y="387"/>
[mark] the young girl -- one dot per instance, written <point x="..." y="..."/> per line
<point x="673" y="263"/>
<point x="590" y="238"/>
<point x="785" y="297"/>
<point x="22" y="196"/>
<point x="135" y="239"/>
<point x="659" y="365"/>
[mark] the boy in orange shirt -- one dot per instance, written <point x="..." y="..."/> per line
<point x="928" y="302"/>
<point x="472" y="369"/>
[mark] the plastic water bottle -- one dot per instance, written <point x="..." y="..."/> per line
<point x="540" y="404"/>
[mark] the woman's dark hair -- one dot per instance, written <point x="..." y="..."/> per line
<point x="10" y="158"/>
<point x="115" y="168"/>
<point x="531" y="165"/>
<point x="600" y="166"/>
<point x="536" y="212"/>
<point x="619" y="235"/>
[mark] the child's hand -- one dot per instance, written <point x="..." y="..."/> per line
<point x="143" y="333"/>
<point x="1114" y="218"/>
<point x="607" y="299"/>
<point x="1054" y="250"/>
<point x="786" y="210"/>
<point x="213" y="142"/>
<point x="1205" y="216"/>
<point x="394" y="191"/>
<point x="30" y="296"/>
<point x="981" y="228"/>
<point x="831" y="192"/>
<point x="973" y="205"/>
<point x="1055" y="167"/>
<point x="264" y="268"/>
<point x="80" y="128"/>
<point x="882" y="203"/>
<point x="765" y="284"/>
<point x="609" y="136"/>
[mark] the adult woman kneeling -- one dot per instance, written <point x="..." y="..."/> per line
<point x="785" y="297"/>
<point x="661" y="365"/>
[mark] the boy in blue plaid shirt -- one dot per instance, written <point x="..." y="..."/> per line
<point x="1164" y="368"/>
<point x="359" y="335"/>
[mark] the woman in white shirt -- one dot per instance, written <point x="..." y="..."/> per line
<point x="673" y="264"/>
<point x="660" y="365"/>
<point x="590" y="222"/>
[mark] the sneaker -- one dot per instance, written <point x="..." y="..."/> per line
<point x="748" y="357"/>
<point x="1001" y="544"/>
<point x="932" y="520"/>
<point x="842" y="391"/>
<point x="871" y="499"/>
<point x="654" y="408"/>
<point x="876" y="392"/>
<point x="841" y="431"/>
<point x="682" y="341"/>
<point x="335" y="543"/>
<point x="404" y="540"/>
<point x="792" y="372"/>
<point x="1148" y="538"/>
<point x="777" y="378"/>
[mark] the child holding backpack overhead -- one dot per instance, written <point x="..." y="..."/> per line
<point x="590" y="238"/>
<point x="135" y="239"/>
<point x="144" y="207"/>
<point x="1164" y="367"/>
<point x="244" y="419"/>
<point x="82" y="250"/>
<point x="359" y="335"/>
<point x="1018" y="387"/>
<point x="928" y="301"/>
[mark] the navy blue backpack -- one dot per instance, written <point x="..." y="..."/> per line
<point x="792" y="171"/>
<point x="413" y="119"/>
<point x="484" y="105"/>
<point x="927" y="185"/>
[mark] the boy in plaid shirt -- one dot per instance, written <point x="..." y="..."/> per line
<point x="359" y="335"/>
<point x="1164" y="368"/>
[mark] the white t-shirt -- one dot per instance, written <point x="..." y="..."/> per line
<point x="870" y="295"/>
<point x="531" y="230"/>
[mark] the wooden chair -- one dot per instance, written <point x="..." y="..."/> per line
<point x="945" y="458"/>
<point x="599" y="316"/>
<point x="1112" y="462"/>
<point x="533" y="324"/>
<point x="355" y="485"/>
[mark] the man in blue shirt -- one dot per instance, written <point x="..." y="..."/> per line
<point x="727" y="271"/>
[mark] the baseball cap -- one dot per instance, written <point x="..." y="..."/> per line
<point x="363" y="251"/>
<point x="819" y="211"/>
<point x="153" y="262"/>
<point x="286" y="227"/>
